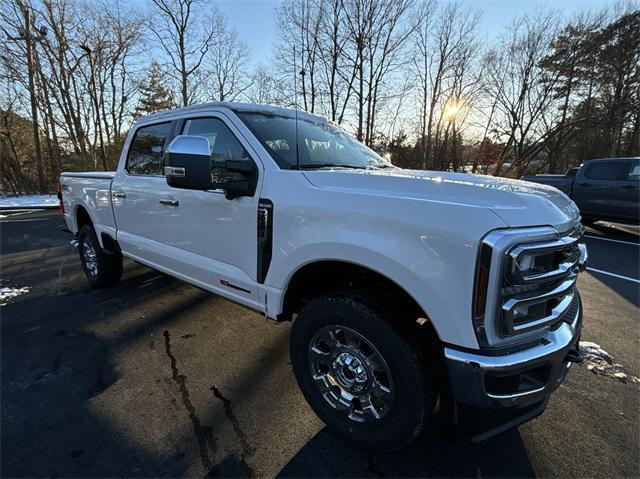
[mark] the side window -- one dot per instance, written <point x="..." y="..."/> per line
<point x="145" y="152"/>
<point x="222" y="143"/>
<point x="634" y="171"/>
<point x="605" y="170"/>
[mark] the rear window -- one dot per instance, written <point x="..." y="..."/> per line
<point x="634" y="171"/>
<point x="606" y="170"/>
<point x="147" y="147"/>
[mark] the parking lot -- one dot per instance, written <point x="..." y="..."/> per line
<point x="158" y="378"/>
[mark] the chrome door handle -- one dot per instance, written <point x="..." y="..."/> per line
<point x="118" y="194"/>
<point x="170" y="202"/>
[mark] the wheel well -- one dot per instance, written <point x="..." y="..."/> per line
<point x="82" y="217"/>
<point x="315" y="279"/>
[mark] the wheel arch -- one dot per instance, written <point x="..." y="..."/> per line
<point x="81" y="217"/>
<point x="318" y="277"/>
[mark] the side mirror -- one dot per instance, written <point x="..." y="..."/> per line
<point x="188" y="163"/>
<point x="189" y="166"/>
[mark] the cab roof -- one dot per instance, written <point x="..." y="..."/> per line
<point x="234" y="106"/>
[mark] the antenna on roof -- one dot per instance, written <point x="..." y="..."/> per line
<point x="295" y="96"/>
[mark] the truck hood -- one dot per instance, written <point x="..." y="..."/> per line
<point x="517" y="203"/>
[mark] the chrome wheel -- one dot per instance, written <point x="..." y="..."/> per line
<point x="350" y="373"/>
<point x="89" y="258"/>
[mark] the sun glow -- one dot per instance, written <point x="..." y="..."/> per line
<point x="452" y="110"/>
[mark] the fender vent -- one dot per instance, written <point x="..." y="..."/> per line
<point x="265" y="237"/>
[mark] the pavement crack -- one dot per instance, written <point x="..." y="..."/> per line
<point x="247" y="449"/>
<point x="204" y="434"/>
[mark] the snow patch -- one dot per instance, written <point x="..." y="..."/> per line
<point x="600" y="362"/>
<point x="29" y="201"/>
<point x="7" y="294"/>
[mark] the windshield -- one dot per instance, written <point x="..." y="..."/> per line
<point x="320" y="145"/>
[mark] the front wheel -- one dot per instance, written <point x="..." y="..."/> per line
<point x="359" y="373"/>
<point x="102" y="268"/>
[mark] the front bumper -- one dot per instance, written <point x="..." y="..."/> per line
<point x="519" y="379"/>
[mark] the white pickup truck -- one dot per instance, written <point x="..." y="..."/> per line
<point x="409" y="290"/>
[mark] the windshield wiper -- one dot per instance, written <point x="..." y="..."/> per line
<point x="311" y="166"/>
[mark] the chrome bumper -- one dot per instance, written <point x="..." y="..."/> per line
<point x="517" y="379"/>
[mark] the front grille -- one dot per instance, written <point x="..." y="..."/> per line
<point x="539" y="284"/>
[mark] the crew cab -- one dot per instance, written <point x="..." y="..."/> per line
<point x="407" y="289"/>
<point x="605" y="189"/>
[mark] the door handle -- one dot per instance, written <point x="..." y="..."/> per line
<point x="629" y="187"/>
<point x="584" y="184"/>
<point x="118" y="194"/>
<point x="170" y="202"/>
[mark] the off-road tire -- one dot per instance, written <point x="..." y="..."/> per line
<point x="415" y="390"/>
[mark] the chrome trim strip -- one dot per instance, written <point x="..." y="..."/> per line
<point x="556" y="313"/>
<point x="541" y="248"/>
<point x="174" y="171"/>
<point x="560" y="290"/>
<point x="584" y="256"/>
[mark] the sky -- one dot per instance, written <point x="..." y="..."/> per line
<point x="254" y="20"/>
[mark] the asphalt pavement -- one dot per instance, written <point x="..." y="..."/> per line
<point x="157" y="378"/>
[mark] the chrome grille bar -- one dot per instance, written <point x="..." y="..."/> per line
<point x="541" y="298"/>
<point x="567" y="245"/>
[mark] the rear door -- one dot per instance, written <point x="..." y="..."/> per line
<point x="598" y="190"/>
<point x="630" y="192"/>
<point x="137" y="192"/>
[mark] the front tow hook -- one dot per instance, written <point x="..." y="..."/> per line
<point x="574" y="356"/>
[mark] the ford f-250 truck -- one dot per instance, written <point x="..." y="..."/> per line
<point x="406" y="288"/>
<point x="606" y="189"/>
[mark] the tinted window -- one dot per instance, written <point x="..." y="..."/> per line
<point x="634" y="171"/>
<point x="145" y="152"/>
<point x="222" y="143"/>
<point x="571" y="173"/>
<point x="605" y="170"/>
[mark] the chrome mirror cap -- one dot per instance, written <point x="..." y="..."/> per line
<point x="189" y="145"/>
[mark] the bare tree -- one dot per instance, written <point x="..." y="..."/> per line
<point x="522" y="100"/>
<point x="445" y="48"/>
<point x="19" y="18"/>
<point x="226" y="63"/>
<point x="185" y="35"/>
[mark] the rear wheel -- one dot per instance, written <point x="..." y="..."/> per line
<point x="102" y="268"/>
<point x="359" y="373"/>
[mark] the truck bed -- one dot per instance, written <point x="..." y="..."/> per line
<point x="91" y="192"/>
<point x="562" y="182"/>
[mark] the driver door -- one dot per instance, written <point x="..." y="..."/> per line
<point x="211" y="240"/>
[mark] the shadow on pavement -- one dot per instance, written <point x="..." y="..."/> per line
<point x="431" y="455"/>
<point x="52" y="368"/>
<point x="629" y="291"/>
